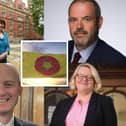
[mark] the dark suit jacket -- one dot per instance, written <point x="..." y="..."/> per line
<point x="19" y="122"/>
<point x="3" y="60"/>
<point x="103" y="54"/>
<point x="100" y="112"/>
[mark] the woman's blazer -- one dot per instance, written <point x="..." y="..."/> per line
<point x="100" y="112"/>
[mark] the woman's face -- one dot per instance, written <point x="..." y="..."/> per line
<point x="84" y="80"/>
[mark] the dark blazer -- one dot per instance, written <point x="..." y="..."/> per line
<point x="3" y="60"/>
<point x="103" y="54"/>
<point x="100" y="112"/>
<point x="19" y="122"/>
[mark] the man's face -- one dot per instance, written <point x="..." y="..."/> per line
<point x="83" y="24"/>
<point x="9" y="89"/>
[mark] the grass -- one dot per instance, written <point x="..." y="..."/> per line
<point x="29" y="70"/>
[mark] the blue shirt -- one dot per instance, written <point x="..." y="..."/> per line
<point x="84" y="53"/>
<point x="4" y="44"/>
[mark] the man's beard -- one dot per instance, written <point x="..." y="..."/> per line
<point x="86" y="40"/>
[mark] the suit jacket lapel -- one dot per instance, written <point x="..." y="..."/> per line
<point x="70" y="49"/>
<point x="94" y="57"/>
<point x="16" y="122"/>
<point x="68" y="106"/>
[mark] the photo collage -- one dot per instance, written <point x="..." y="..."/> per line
<point x="62" y="63"/>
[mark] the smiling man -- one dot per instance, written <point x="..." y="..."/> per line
<point x="10" y="90"/>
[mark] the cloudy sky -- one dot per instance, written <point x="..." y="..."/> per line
<point x="45" y="47"/>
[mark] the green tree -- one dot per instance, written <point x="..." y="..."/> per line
<point x="37" y="10"/>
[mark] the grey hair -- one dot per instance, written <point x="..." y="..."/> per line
<point x="96" y="6"/>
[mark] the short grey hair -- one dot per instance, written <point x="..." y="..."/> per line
<point x="96" y="6"/>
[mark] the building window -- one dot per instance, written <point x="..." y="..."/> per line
<point x="20" y="7"/>
<point x="20" y="27"/>
<point x="11" y="16"/>
<point x="20" y="18"/>
<point x="3" y="12"/>
<point x="27" y="28"/>
<point x="11" y="26"/>
<point x="20" y="34"/>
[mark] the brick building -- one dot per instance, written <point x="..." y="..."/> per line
<point x="18" y="20"/>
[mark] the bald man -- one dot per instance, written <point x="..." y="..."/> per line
<point x="10" y="90"/>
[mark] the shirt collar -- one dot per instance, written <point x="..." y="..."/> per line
<point x="77" y="102"/>
<point x="85" y="53"/>
<point x="10" y="123"/>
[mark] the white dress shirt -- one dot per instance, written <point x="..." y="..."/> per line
<point x="10" y="123"/>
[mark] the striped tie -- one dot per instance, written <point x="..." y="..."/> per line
<point x="77" y="56"/>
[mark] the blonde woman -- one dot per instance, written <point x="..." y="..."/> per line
<point x="87" y="108"/>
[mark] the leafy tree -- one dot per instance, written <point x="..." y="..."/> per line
<point x="37" y="10"/>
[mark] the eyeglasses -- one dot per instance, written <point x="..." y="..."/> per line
<point x="84" y="77"/>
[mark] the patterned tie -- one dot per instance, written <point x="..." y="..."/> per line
<point x="77" y="56"/>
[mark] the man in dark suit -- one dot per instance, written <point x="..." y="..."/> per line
<point x="10" y="90"/>
<point x="102" y="54"/>
<point x="85" y="21"/>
